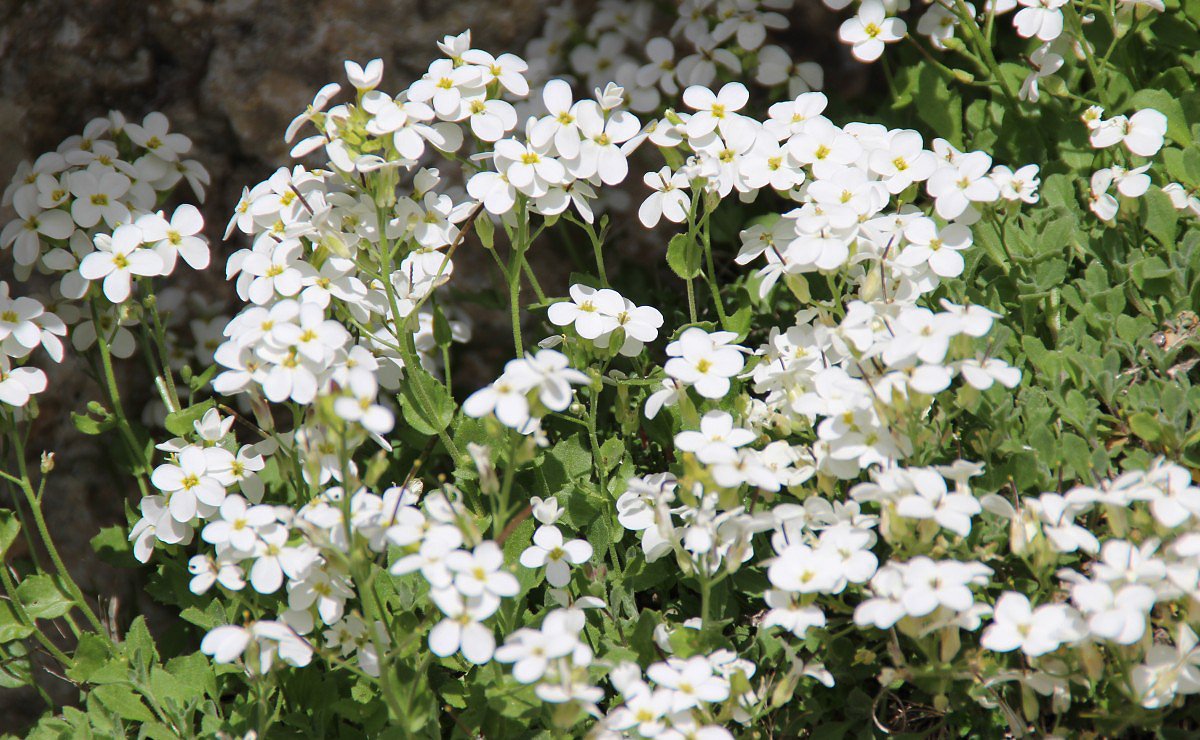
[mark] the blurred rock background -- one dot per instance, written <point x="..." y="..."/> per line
<point x="230" y="74"/>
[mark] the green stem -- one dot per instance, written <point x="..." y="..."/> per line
<point x="705" y="597"/>
<point x="711" y="277"/>
<point x="598" y="251"/>
<point x="373" y="615"/>
<point x="597" y="240"/>
<point x="984" y="50"/>
<point x="137" y="454"/>
<point x="48" y="542"/>
<point x="500" y="513"/>
<point x="537" y="287"/>
<point x="594" y="440"/>
<point x="160" y="339"/>
<point x="1076" y="24"/>
<point x="401" y="332"/>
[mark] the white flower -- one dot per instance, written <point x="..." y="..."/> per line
<point x="668" y="395"/>
<point x="903" y="161"/>
<point x="98" y="196"/>
<point x="550" y="551"/>
<point x="956" y="187"/>
<point x="430" y="559"/>
<point x="1043" y="63"/>
<point x="1036" y="632"/>
<point x="461" y="629"/>
<point x="205" y="573"/>
<point x="227" y="643"/>
<point x="932" y="501"/>
<point x="561" y="127"/>
<point x="479" y="573"/>
<point x="490" y="119"/>
<point x="360" y="406"/>
<point x="1114" y="614"/>
<point x="717" y="439"/>
<point x="705" y="361"/>
<point x="549" y="374"/>
<point x="320" y="100"/>
<point x="691" y="682"/>
<point x="24" y="233"/>
<point x="531" y="651"/>
<point x="18" y="385"/>
<point x="505" y="397"/>
<point x="546" y="511"/>
<point x="507" y="69"/>
<point x="1021" y="185"/>
<point x="364" y="78"/>
<point x="443" y="86"/>
<point x="1168" y="671"/>
<point x="238" y="524"/>
<point x="181" y="235"/>
<point x="1103" y="204"/>
<point x="800" y="569"/>
<point x="714" y="111"/>
<point x="788" y="612"/>
<point x="870" y="29"/>
<point x="599" y="152"/>
<point x="1040" y="18"/>
<point x="117" y="260"/>
<point x="938" y="248"/>
<point x="153" y="134"/>
<point x="592" y="312"/>
<point x="1142" y="133"/>
<point x="328" y="592"/>
<point x="530" y="169"/>
<point x="188" y="483"/>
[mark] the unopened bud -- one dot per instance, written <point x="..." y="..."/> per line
<point x="47" y="462"/>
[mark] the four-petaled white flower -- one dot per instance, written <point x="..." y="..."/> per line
<point x="117" y="260"/>
<point x="550" y="551"/>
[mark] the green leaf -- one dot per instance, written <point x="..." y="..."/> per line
<point x="611" y="453"/>
<point x="1078" y="454"/>
<point x="112" y="545"/>
<point x="10" y="626"/>
<point x="139" y="644"/>
<point x="442" y="334"/>
<point x="683" y="255"/>
<point x="90" y="426"/>
<point x="485" y="230"/>
<point x="938" y="107"/>
<point x="1145" y="426"/>
<point x="1160" y="216"/>
<point x="183" y="422"/>
<point x="10" y="527"/>
<point x="90" y="655"/>
<point x="42" y="597"/>
<point x="195" y="671"/>
<point x="123" y="701"/>
<point x="440" y="411"/>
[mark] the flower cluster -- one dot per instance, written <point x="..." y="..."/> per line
<point x="835" y="439"/>
<point x="87" y="213"/>
<point x="25" y="325"/>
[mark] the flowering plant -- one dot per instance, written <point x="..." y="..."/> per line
<point x="901" y="437"/>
